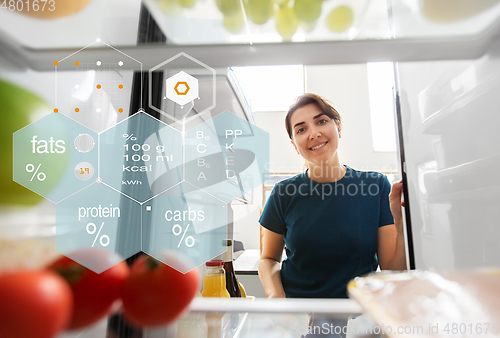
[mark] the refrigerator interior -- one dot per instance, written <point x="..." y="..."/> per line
<point x="449" y="118"/>
<point x="447" y="83"/>
<point x="447" y="102"/>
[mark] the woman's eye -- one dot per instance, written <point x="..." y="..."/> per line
<point x="322" y="121"/>
<point x="300" y="130"/>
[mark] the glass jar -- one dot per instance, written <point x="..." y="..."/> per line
<point x="214" y="281"/>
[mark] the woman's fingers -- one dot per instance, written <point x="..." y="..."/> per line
<point x="402" y="193"/>
<point x="396" y="191"/>
<point x="396" y="204"/>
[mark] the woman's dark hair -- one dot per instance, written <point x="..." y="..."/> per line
<point x="323" y="104"/>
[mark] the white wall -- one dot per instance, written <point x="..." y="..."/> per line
<point x="346" y="86"/>
<point x="246" y="227"/>
<point x="282" y="155"/>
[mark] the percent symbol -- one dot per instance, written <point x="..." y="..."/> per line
<point x="129" y="137"/>
<point x="177" y="229"/>
<point x="103" y="237"/>
<point x="41" y="176"/>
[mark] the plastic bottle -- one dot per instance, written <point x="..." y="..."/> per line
<point x="232" y="285"/>
<point x="214" y="281"/>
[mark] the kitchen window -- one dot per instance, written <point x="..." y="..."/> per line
<point x="271" y="88"/>
<point x="380" y="87"/>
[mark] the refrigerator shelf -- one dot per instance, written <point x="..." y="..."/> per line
<point x="34" y="43"/>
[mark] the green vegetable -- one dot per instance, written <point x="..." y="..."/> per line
<point x="17" y="107"/>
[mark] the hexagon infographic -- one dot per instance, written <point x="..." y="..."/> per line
<point x="94" y="93"/>
<point x="140" y="185"/>
<point x="186" y="77"/>
<point x="98" y="219"/>
<point x="141" y="157"/>
<point x="55" y="157"/>
<point x="185" y="219"/>
<point x="226" y="156"/>
<point x="182" y="88"/>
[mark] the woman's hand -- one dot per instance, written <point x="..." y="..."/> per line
<point x="398" y="260"/>
<point x="395" y="201"/>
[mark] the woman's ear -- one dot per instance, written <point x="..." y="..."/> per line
<point x="339" y="126"/>
<point x="297" y="150"/>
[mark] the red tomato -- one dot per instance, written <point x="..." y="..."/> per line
<point x="156" y="294"/>
<point x="33" y="304"/>
<point x="93" y="294"/>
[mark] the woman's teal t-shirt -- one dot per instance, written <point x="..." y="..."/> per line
<point x="330" y="230"/>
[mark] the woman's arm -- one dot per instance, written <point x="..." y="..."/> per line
<point x="269" y="265"/>
<point x="391" y="245"/>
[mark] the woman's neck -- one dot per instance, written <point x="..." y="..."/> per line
<point x="326" y="172"/>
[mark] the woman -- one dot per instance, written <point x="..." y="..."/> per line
<point x="334" y="220"/>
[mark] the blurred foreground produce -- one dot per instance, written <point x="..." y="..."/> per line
<point x="93" y="294"/>
<point x="234" y="23"/>
<point x="259" y="11"/>
<point x="340" y="19"/>
<point x="25" y="253"/>
<point x="308" y="26"/>
<point x="289" y="15"/>
<point x="187" y="3"/>
<point x="52" y="9"/>
<point x="228" y="7"/>
<point x="156" y="294"/>
<point x="286" y="22"/>
<point x="33" y="304"/>
<point x="17" y="108"/>
<point x="307" y="10"/>
<point x="447" y="11"/>
<point x="170" y="7"/>
<point x="439" y="304"/>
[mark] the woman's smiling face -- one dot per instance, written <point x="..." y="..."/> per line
<point x="315" y="135"/>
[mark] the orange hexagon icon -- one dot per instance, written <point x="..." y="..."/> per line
<point x="181" y="83"/>
<point x="178" y="89"/>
